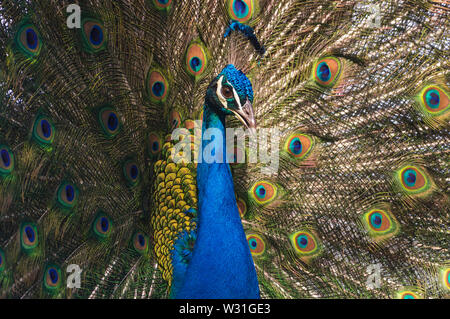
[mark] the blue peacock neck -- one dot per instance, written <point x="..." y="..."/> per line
<point x="221" y="264"/>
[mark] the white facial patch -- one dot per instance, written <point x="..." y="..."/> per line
<point x="222" y="99"/>
<point x="237" y="99"/>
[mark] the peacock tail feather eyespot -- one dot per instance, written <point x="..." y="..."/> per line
<point x="155" y="144"/>
<point x="407" y="294"/>
<point x="175" y="120"/>
<point x="196" y="60"/>
<point x="6" y="160"/>
<point x="305" y="243"/>
<point x="109" y="121"/>
<point x="380" y="222"/>
<point x="241" y="10"/>
<point x="52" y="278"/>
<point x="326" y="71"/>
<point x="299" y="145"/>
<point x="93" y="34"/>
<point x="2" y="261"/>
<point x="162" y="4"/>
<point x="242" y="207"/>
<point x="445" y="276"/>
<point x="131" y="172"/>
<point x="157" y="85"/>
<point x="67" y="195"/>
<point x="43" y="130"/>
<point x="434" y="101"/>
<point x="140" y="242"/>
<point x="263" y="192"/>
<point x="28" y="236"/>
<point x="102" y="225"/>
<point x="29" y="40"/>
<point x="256" y="244"/>
<point x="413" y="180"/>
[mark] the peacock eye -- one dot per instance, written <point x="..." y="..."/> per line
<point x="52" y="278"/>
<point x="227" y="92"/>
<point x="196" y="59"/>
<point x="29" y="40"/>
<point x="155" y="144"/>
<point x="2" y="261"/>
<point x="407" y="295"/>
<point x="162" y="4"/>
<point x="413" y="180"/>
<point x="256" y="244"/>
<point x="131" y="172"/>
<point x="380" y="223"/>
<point x="305" y="243"/>
<point x="299" y="145"/>
<point x="327" y="71"/>
<point x="241" y="10"/>
<point x="109" y="121"/>
<point x="140" y="242"/>
<point x="263" y="192"/>
<point x="434" y="100"/>
<point x="102" y="226"/>
<point x="157" y="85"/>
<point x="43" y="130"/>
<point x="174" y="120"/>
<point x="28" y="236"/>
<point x="6" y="160"/>
<point x="242" y="207"/>
<point x="445" y="277"/>
<point x="67" y="195"/>
<point x="93" y="34"/>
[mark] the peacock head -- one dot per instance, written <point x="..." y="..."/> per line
<point x="231" y="93"/>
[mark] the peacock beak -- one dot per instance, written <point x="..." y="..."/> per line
<point x="245" y="115"/>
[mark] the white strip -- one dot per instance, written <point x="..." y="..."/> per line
<point x="219" y="94"/>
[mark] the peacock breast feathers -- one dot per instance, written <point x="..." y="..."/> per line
<point x="175" y="207"/>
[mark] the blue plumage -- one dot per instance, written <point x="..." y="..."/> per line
<point x="239" y="80"/>
<point x="181" y="257"/>
<point x="221" y="264"/>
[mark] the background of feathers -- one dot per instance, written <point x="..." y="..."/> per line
<point x="365" y="128"/>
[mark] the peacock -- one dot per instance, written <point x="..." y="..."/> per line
<point x="105" y="109"/>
